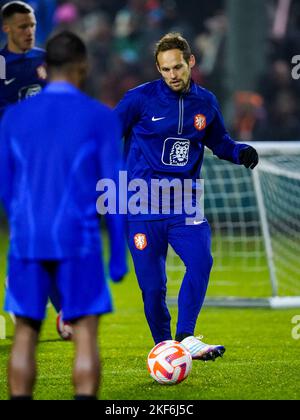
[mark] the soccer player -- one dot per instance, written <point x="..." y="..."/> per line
<point x="48" y="176"/>
<point x="25" y="77"/>
<point x="167" y="124"/>
<point x="25" y="65"/>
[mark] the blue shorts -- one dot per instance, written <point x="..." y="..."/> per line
<point x="80" y="283"/>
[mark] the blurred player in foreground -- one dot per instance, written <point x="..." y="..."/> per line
<point x="48" y="176"/>
<point x="25" y="77"/>
<point x="167" y="124"/>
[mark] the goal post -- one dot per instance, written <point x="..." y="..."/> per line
<point x="255" y="220"/>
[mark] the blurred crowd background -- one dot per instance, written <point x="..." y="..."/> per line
<point x="244" y="52"/>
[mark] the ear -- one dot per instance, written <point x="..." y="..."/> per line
<point x="158" y="68"/>
<point x="192" y="61"/>
<point x="5" y="28"/>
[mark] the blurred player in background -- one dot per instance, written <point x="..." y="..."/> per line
<point x="25" y="65"/>
<point x="48" y="176"/>
<point x="25" y="77"/>
<point x="166" y="125"/>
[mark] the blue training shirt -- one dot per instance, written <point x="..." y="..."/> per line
<point x="53" y="150"/>
<point x="25" y="76"/>
<point x="166" y="133"/>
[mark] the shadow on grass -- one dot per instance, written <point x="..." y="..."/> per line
<point x="5" y="348"/>
<point x="54" y="340"/>
<point x="8" y="337"/>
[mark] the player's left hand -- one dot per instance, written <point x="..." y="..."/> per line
<point x="249" y="157"/>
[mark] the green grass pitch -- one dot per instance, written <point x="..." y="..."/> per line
<point x="262" y="359"/>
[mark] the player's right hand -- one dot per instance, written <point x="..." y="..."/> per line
<point x="249" y="157"/>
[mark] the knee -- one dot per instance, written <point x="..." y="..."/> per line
<point x="32" y="326"/>
<point x="154" y="300"/>
<point x="200" y="270"/>
<point x="154" y="295"/>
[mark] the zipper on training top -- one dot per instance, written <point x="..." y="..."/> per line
<point x="181" y="115"/>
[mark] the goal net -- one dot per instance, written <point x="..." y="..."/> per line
<point x="255" y="220"/>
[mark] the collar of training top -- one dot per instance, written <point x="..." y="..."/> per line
<point x="60" y="87"/>
<point x="169" y="92"/>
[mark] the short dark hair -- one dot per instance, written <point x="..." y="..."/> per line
<point x="173" y="41"/>
<point x="65" y="48"/>
<point x="13" y="7"/>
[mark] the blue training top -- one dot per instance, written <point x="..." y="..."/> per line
<point x="25" y="76"/>
<point x="166" y="133"/>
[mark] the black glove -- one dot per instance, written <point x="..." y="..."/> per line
<point x="249" y="157"/>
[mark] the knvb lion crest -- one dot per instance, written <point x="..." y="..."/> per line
<point x="180" y="153"/>
<point x="140" y="241"/>
<point x="200" y="122"/>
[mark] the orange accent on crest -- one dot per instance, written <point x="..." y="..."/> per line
<point x="140" y="241"/>
<point x="200" y="122"/>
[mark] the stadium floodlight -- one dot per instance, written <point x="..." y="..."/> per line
<point x="255" y="219"/>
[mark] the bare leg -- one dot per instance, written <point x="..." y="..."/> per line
<point x="86" y="374"/>
<point x="22" y="363"/>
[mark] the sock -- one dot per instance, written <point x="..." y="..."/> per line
<point x="21" y="398"/>
<point x="85" y="398"/>
<point x="182" y="336"/>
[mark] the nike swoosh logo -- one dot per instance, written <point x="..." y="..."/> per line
<point x="9" y="82"/>
<point x="198" y="223"/>
<point x="158" y="119"/>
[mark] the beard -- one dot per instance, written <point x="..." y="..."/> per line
<point x="179" y="86"/>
